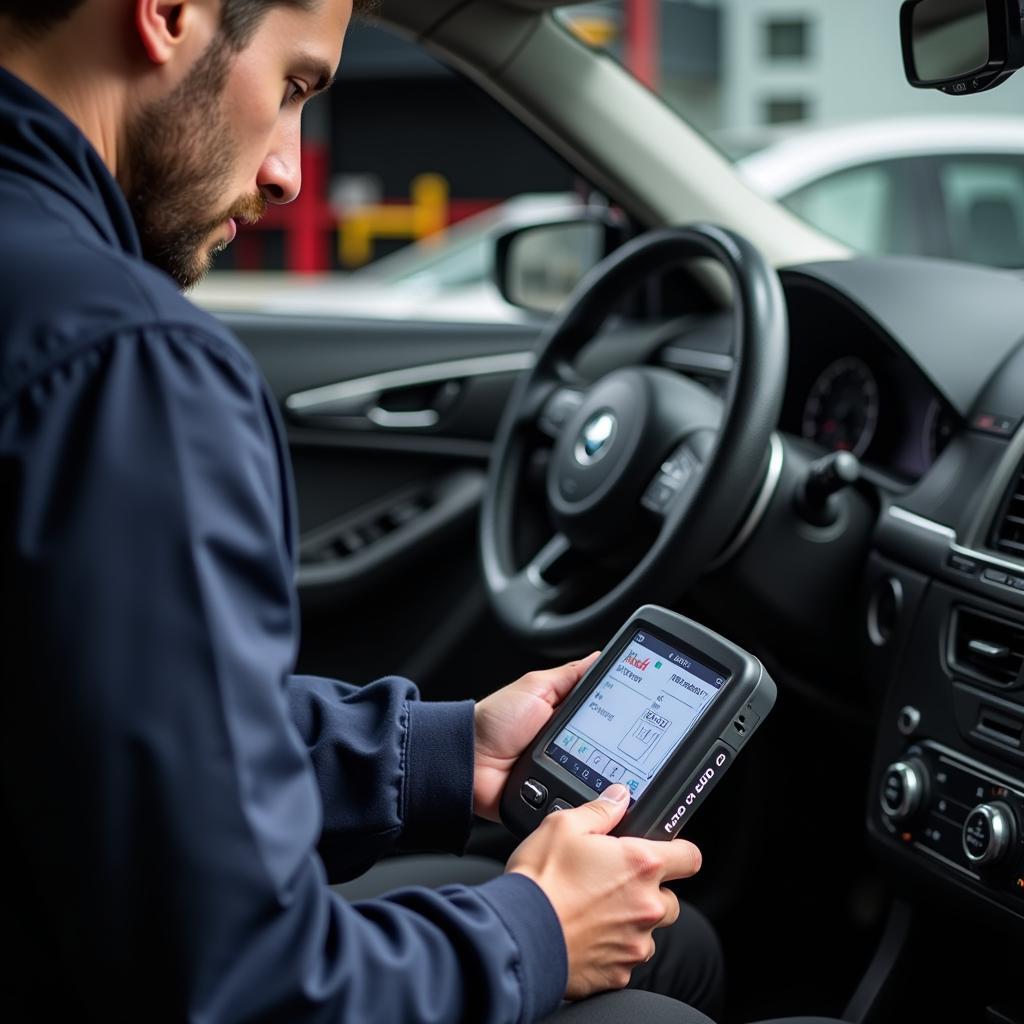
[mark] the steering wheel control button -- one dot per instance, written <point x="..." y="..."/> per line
<point x="681" y="465"/>
<point x="534" y="793"/>
<point x="988" y="833"/>
<point x="559" y="805"/>
<point x="660" y="493"/>
<point x="908" y="720"/>
<point x="903" y="789"/>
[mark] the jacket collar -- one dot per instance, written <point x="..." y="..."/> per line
<point x="40" y="142"/>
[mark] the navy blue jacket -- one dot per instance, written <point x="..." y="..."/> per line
<point x="175" y="802"/>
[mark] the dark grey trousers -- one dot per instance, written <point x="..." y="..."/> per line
<point x="684" y="983"/>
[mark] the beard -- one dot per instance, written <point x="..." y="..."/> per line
<point x="179" y="162"/>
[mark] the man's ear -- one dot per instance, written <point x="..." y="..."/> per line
<point x="164" y="26"/>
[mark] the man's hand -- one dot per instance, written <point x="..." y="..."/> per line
<point x="508" y="720"/>
<point x="606" y="891"/>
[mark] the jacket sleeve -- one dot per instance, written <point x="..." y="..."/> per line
<point x="165" y="797"/>
<point x="391" y="769"/>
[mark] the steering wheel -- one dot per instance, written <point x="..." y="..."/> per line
<point x="648" y="473"/>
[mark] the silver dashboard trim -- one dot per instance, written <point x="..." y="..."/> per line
<point x="913" y="519"/>
<point x="993" y="560"/>
<point x="986" y="558"/>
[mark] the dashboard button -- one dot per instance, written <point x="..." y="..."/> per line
<point x="903" y="789"/>
<point x="989" y="833"/>
<point x="995" y="576"/>
<point x="962" y="564"/>
<point x="908" y="720"/>
<point x="534" y="793"/>
<point x="993" y="423"/>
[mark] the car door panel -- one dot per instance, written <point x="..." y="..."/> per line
<point x="388" y="574"/>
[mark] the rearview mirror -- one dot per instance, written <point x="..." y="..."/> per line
<point x="961" y="46"/>
<point x="538" y="266"/>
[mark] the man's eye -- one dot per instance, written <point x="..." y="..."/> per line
<point x="296" y="92"/>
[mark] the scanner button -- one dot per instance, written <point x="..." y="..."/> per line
<point x="559" y="805"/>
<point x="534" y="793"/>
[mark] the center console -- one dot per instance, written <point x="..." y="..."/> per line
<point x="944" y="626"/>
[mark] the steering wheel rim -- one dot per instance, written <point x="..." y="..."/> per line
<point x="718" y="491"/>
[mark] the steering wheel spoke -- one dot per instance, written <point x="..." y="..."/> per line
<point x="531" y="589"/>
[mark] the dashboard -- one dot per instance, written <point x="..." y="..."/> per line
<point x="851" y="389"/>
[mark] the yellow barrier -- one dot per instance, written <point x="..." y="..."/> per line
<point x="424" y="218"/>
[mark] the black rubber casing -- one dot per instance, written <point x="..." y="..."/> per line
<point x="697" y="764"/>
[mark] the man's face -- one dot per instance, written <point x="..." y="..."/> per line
<point x="226" y="142"/>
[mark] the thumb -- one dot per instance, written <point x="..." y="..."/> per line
<point x="600" y="816"/>
<point x="557" y="682"/>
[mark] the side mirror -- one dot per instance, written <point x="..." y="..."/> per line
<point x="961" y="46"/>
<point x="538" y="266"/>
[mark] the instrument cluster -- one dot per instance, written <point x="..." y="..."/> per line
<point x="851" y="388"/>
<point x="884" y="417"/>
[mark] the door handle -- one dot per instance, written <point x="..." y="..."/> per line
<point x="437" y="399"/>
<point x="377" y="400"/>
<point x="417" y="419"/>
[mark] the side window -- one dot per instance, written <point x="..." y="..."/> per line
<point x="857" y="206"/>
<point x="983" y="208"/>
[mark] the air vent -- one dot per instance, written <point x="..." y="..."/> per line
<point x="1008" y="535"/>
<point x="986" y="649"/>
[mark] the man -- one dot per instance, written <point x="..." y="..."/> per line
<point x="166" y="785"/>
<point x="175" y="802"/>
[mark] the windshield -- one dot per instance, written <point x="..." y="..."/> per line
<point x="810" y="100"/>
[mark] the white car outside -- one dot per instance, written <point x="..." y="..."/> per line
<point x="947" y="187"/>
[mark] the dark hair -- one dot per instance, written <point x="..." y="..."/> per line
<point x="239" y="18"/>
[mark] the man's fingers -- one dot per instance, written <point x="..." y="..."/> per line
<point x="670" y="902"/>
<point x="682" y="859"/>
<point x="600" y="816"/>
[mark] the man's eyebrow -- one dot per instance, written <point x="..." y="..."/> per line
<point x="318" y="70"/>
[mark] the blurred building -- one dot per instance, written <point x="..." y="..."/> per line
<point x="825" y="62"/>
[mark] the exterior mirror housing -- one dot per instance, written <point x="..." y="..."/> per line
<point x="961" y="46"/>
<point x="538" y="266"/>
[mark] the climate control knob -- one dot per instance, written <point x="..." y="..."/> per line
<point x="904" y="788"/>
<point x="989" y="833"/>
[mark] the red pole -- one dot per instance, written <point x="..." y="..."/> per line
<point x="642" y="40"/>
<point x="307" y="241"/>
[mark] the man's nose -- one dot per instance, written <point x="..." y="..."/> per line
<point x="280" y="176"/>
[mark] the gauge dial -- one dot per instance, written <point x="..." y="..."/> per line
<point x="939" y="427"/>
<point x="841" y="412"/>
